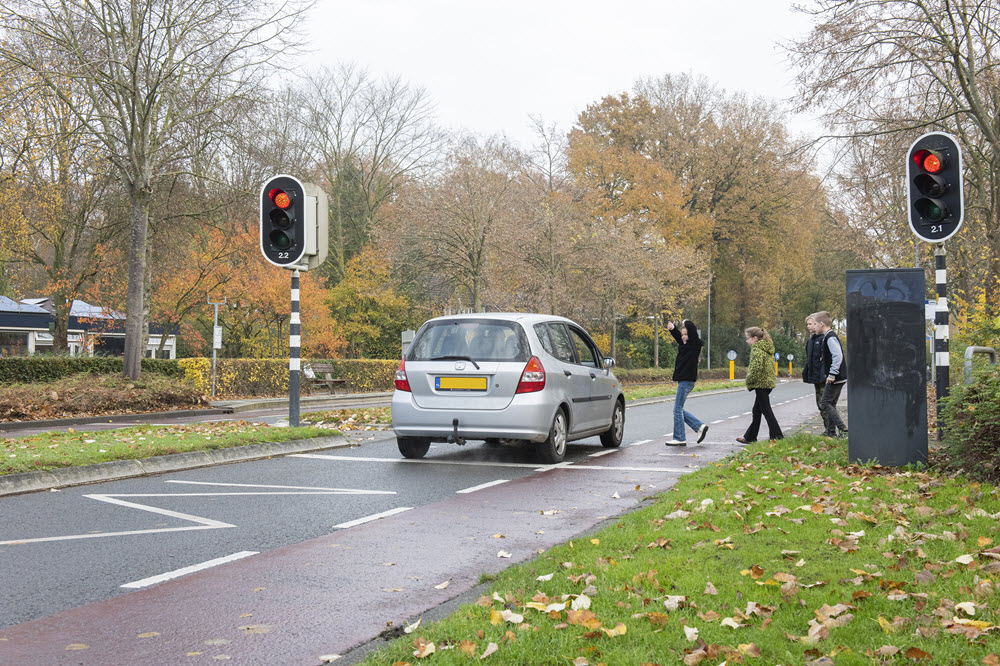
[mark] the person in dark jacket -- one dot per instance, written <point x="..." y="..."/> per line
<point x="685" y="374"/>
<point x="812" y="369"/>
<point x="760" y="380"/>
<point x="834" y="376"/>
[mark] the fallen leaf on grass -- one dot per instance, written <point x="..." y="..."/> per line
<point x="965" y="559"/>
<point x="424" y="648"/>
<point x="691" y="633"/>
<point x="967" y="606"/>
<point x="512" y="617"/>
<point x="409" y="629"/>
<point x="730" y="622"/>
<point x="619" y="630"/>
<point x="490" y="649"/>
<point x="710" y="589"/>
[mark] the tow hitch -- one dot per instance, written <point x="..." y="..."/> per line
<point x="455" y="437"/>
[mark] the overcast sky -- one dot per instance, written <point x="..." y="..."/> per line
<point x="488" y="65"/>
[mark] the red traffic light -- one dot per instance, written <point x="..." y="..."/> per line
<point x="280" y="198"/>
<point x="929" y="160"/>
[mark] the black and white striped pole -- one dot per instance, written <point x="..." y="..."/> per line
<point x="941" y="334"/>
<point x="294" y="350"/>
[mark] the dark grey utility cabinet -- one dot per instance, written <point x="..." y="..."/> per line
<point x="886" y="360"/>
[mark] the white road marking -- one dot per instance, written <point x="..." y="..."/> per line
<point x="635" y="469"/>
<point x="640" y="442"/>
<point x="603" y="453"/>
<point x="152" y="580"/>
<point x="376" y="516"/>
<point x="481" y="486"/>
<point x="251" y="485"/>
<point x="719" y="421"/>
<point x="200" y="523"/>
<point x="425" y="461"/>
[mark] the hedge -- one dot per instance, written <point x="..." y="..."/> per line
<point x="32" y="369"/>
<point x="269" y="377"/>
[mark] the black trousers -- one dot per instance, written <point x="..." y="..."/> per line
<point x="762" y="405"/>
<point x="828" y="408"/>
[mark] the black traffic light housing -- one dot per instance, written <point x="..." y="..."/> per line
<point x="934" y="187"/>
<point x="282" y="220"/>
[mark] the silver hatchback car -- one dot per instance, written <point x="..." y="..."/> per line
<point x="505" y="376"/>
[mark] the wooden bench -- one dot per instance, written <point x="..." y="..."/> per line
<point x="321" y="374"/>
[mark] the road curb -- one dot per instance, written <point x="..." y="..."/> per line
<point x="13" y="426"/>
<point x="114" y="470"/>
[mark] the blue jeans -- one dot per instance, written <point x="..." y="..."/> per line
<point x="681" y="416"/>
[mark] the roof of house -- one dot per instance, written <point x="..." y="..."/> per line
<point x="10" y="305"/>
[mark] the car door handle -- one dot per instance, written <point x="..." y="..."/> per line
<point x="593" y="376"/>
<point x="567" y="373"/>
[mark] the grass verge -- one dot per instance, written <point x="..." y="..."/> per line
<point x="52" y="450"/>
<point x="671" y="389"/>
<point x="784" y="554"/>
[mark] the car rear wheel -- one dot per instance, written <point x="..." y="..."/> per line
<point x="413" y="447"/>
<point x="612" y="438"/>
<point x="553" y="449"/>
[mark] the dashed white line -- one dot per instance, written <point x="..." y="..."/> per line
<point x="375" y="516"/>
<point x="719" y="421"/>
<point x="481" y="486"/>
<point x="152" y="580"/>
<point x="603" y="453"/>
<point x="641" y="442"/>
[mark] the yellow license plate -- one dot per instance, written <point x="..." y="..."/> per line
<point x="461" y="383"/>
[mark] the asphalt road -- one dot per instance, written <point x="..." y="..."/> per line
<point x="62" y="550"/>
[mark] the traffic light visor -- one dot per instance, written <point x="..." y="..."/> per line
<point x="280" y="198"/>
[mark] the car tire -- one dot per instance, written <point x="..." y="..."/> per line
<point x="553" y="449"/>
<point x="413" y="447"/>
<point x="612" y="437"/>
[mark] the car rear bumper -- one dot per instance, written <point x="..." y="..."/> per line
<point x="528" y="416"/>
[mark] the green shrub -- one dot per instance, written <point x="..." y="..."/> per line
<point x="44" y="368"/>
<point x="972" y="425"/>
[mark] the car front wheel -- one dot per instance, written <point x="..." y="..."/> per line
<point x="553" y="449"/>
<point x="612" y="437"/>
<point x="413" y="447"/>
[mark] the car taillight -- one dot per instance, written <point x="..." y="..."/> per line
<point x="402" y="383"/>
<point x="532" y="378"/>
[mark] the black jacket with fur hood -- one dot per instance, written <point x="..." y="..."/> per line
<point x="686" y="365"/>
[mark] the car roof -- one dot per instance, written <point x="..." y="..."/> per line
<point x="520" y="317"/>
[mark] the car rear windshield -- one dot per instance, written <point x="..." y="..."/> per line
<point x="476" y="339"/>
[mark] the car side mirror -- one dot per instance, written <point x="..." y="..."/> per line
<point x="609" y="362"/>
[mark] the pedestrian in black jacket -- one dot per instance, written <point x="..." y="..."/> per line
<point x="834" y="375"/>
<point x="685" y="374"/>
<point x="812" y="369"/>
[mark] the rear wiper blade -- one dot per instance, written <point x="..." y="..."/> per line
<point x="456" y="358"/>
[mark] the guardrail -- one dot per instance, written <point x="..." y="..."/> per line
<point x="969" y="351"/>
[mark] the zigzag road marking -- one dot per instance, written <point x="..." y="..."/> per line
<point x="200" y="523"/>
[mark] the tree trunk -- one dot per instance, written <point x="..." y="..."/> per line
<point x="136" y="284"/>
<point x="60" y="344"/>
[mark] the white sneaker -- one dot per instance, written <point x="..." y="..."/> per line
<point x="702" y="431"/>
<point x="675" y="442"/>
